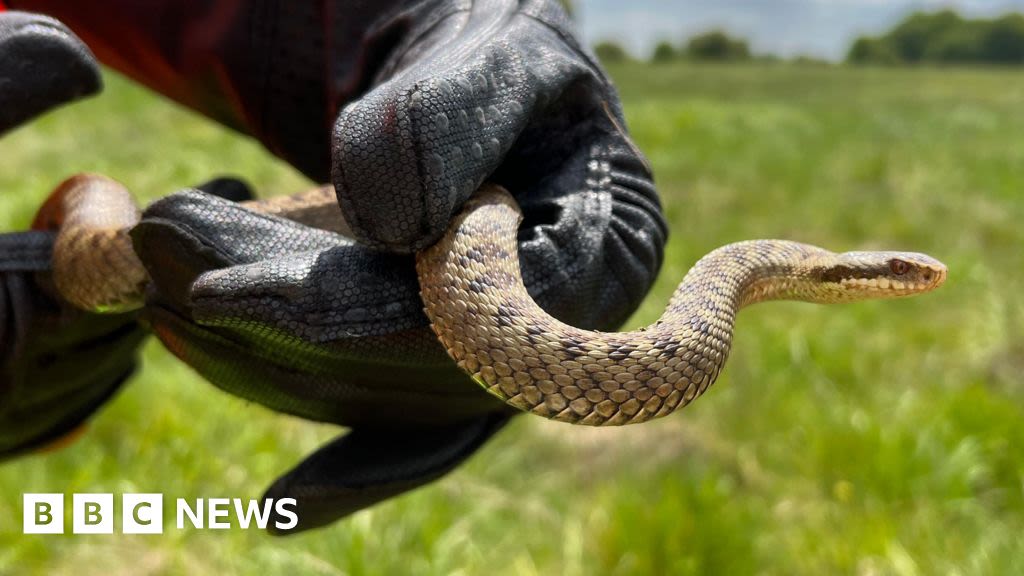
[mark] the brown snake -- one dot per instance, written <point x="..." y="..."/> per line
<point x="474" y="296"/>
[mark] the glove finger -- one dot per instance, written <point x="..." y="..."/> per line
<point x="186" y="234"/>
<point x="368" y="466"/>
<point x="593" y="232"/>
<point x="347" y="291"/>
<point x="409" y="153"/>
<point x="42" y="66"/>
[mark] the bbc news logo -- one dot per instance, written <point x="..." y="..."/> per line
<point x="144" y="513"/>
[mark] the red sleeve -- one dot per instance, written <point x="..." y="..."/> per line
<point x="175" y="47"/>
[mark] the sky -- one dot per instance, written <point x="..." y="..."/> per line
<point x="822" y="28"/>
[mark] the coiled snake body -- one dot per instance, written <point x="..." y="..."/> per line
<point x="474" y="296"/>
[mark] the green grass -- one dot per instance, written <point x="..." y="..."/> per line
<point x="877" y="438"/>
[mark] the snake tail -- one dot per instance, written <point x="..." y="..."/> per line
<point x="94" y="265"/>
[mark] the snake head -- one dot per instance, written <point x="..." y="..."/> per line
<point x="853" y="276"/>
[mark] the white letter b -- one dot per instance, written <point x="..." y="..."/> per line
<point x="43" y="514"/>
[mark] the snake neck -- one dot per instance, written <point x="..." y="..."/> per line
<point x="738" y="275"/>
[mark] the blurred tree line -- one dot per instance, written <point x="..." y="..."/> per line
<point x="923" y="37"/>
<point x="945" y="37"/>
<point x="714" y="45"/>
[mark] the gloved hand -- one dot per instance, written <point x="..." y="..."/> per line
<point x="313" y="324"/>
<point x="57" y="365"/>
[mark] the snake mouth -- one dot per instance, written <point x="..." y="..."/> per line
<point x="924" y="279"/>
<point x="873" y="275"/>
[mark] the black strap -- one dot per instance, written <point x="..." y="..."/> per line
<point x="26" y="251"/>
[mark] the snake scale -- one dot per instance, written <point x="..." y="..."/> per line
<point x="474" y="297"/>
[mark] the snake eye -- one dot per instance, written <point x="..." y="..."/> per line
<point x="899" y="267"/>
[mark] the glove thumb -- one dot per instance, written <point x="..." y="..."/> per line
<point x="42" y="66"/>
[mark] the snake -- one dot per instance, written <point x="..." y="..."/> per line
<point x="479" y="308"/>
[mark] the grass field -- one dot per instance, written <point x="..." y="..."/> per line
<point x="877" y="438"/>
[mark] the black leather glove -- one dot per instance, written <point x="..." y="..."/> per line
<point x="57" y="365"/>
